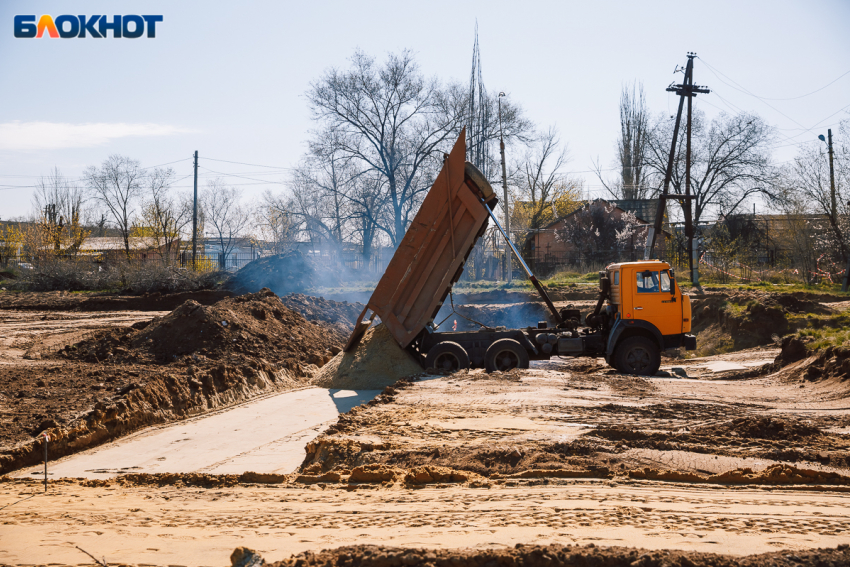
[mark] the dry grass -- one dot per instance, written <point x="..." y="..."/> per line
<point x="129" y="277"/>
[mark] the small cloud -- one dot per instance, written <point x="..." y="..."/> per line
<point x="55" y="135"/>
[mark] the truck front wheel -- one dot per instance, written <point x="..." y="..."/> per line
<point x="447" y="356"/>
<point x="637" y="355"/>
<point x="504" y="355"/>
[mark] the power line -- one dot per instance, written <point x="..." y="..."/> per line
<point x="251" y="164"/>
<point x="169" y="163"/>
<point x="8" y="186"/>
<point x="768" y="98"/>
<point x="762" y="99"/>
<point x="241" y="176"/>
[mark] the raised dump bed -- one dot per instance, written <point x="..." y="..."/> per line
<point x="430" y="257"/>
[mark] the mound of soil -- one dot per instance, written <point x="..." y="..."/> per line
<point x="778" y="474"/>
<point x="341" y="314"/>
<point x="539" y="556"/>
<point x="830" y="363"/>
<point x="253" y="326"/>
<point x="376" y="363"/>
<point x="291" y="272"/>
<point x="192" y="360"/>
<point x="764" y="428"/>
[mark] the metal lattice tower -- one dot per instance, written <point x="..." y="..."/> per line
<point x="478" y="118"/>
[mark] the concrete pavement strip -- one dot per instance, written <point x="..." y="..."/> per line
<point x="265" y="436"/>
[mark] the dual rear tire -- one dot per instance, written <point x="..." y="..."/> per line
<point x="503" y="355"/>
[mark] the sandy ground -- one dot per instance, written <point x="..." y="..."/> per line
<point x="191" y="526"/>
<point x="463" y="418"/>
<point x="201" y="526"/>
<point x="37" y="333"/>
<point x="563" y="415"/>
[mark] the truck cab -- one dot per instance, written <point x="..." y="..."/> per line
<point x="650" y="314"/>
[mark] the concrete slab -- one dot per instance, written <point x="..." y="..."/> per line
<point x="265" y="436"/>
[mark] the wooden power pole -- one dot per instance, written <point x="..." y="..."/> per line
<point x="688" y="90"/>
<point x="195" y="218"/>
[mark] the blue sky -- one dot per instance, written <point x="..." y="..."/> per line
<point x="228" y="78"/>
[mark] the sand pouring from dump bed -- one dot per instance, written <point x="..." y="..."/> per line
<point x="377" y="362"/>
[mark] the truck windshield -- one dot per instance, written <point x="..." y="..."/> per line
<point x="650" y="281"/>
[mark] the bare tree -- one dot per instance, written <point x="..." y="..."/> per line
<point x="808" y="187"/>
<point x="599" y="233"/>
<point x="117" y="185"/>
<point x="730" y="160"/>
<point x="321" y="186"/>
<point x="62" y="211"/>
<point x="165" y="215"/>
<point x="543" y="193"/>
<point x="631" y="147"/>
<point x="392" y="121"/>
<point x="274" y="225"/>
<point x="224" y="214"/>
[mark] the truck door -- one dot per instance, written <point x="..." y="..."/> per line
<point x="654" y="302"/>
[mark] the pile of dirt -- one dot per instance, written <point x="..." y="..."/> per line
<point x="551" y="555"/>
<point x="376" y="363"/>
<point x="830" y="363"/>
<point x="340" y="454"/>
<point x="194" y="359"/>
<point x="822" y="364"/>
<point x="291" y="272"/>
<point x="778" y="474"/>
<point x="253" y="326"/>
<point x="341" y="314"/>
<point x="775" y="428"/>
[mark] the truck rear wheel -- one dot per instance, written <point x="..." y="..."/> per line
<point x="447" y="356"/>
<point x="637" y="355"/>
<point x="504" y="355"/>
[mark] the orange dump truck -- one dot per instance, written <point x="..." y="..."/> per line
<point x="640" y="311"/>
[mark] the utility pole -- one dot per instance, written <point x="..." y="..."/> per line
<point x="195" y="218"/>
<point x="832" y="180"/>
<point x="508" y="270"/>
<point x="834" y="202"/>
<point x="689" y="90"/>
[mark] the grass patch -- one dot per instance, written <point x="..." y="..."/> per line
<point x="777" y="287"/>
<point x="823" y="331"/>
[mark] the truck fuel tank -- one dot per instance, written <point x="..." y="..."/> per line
<point x="570" y="346"/>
